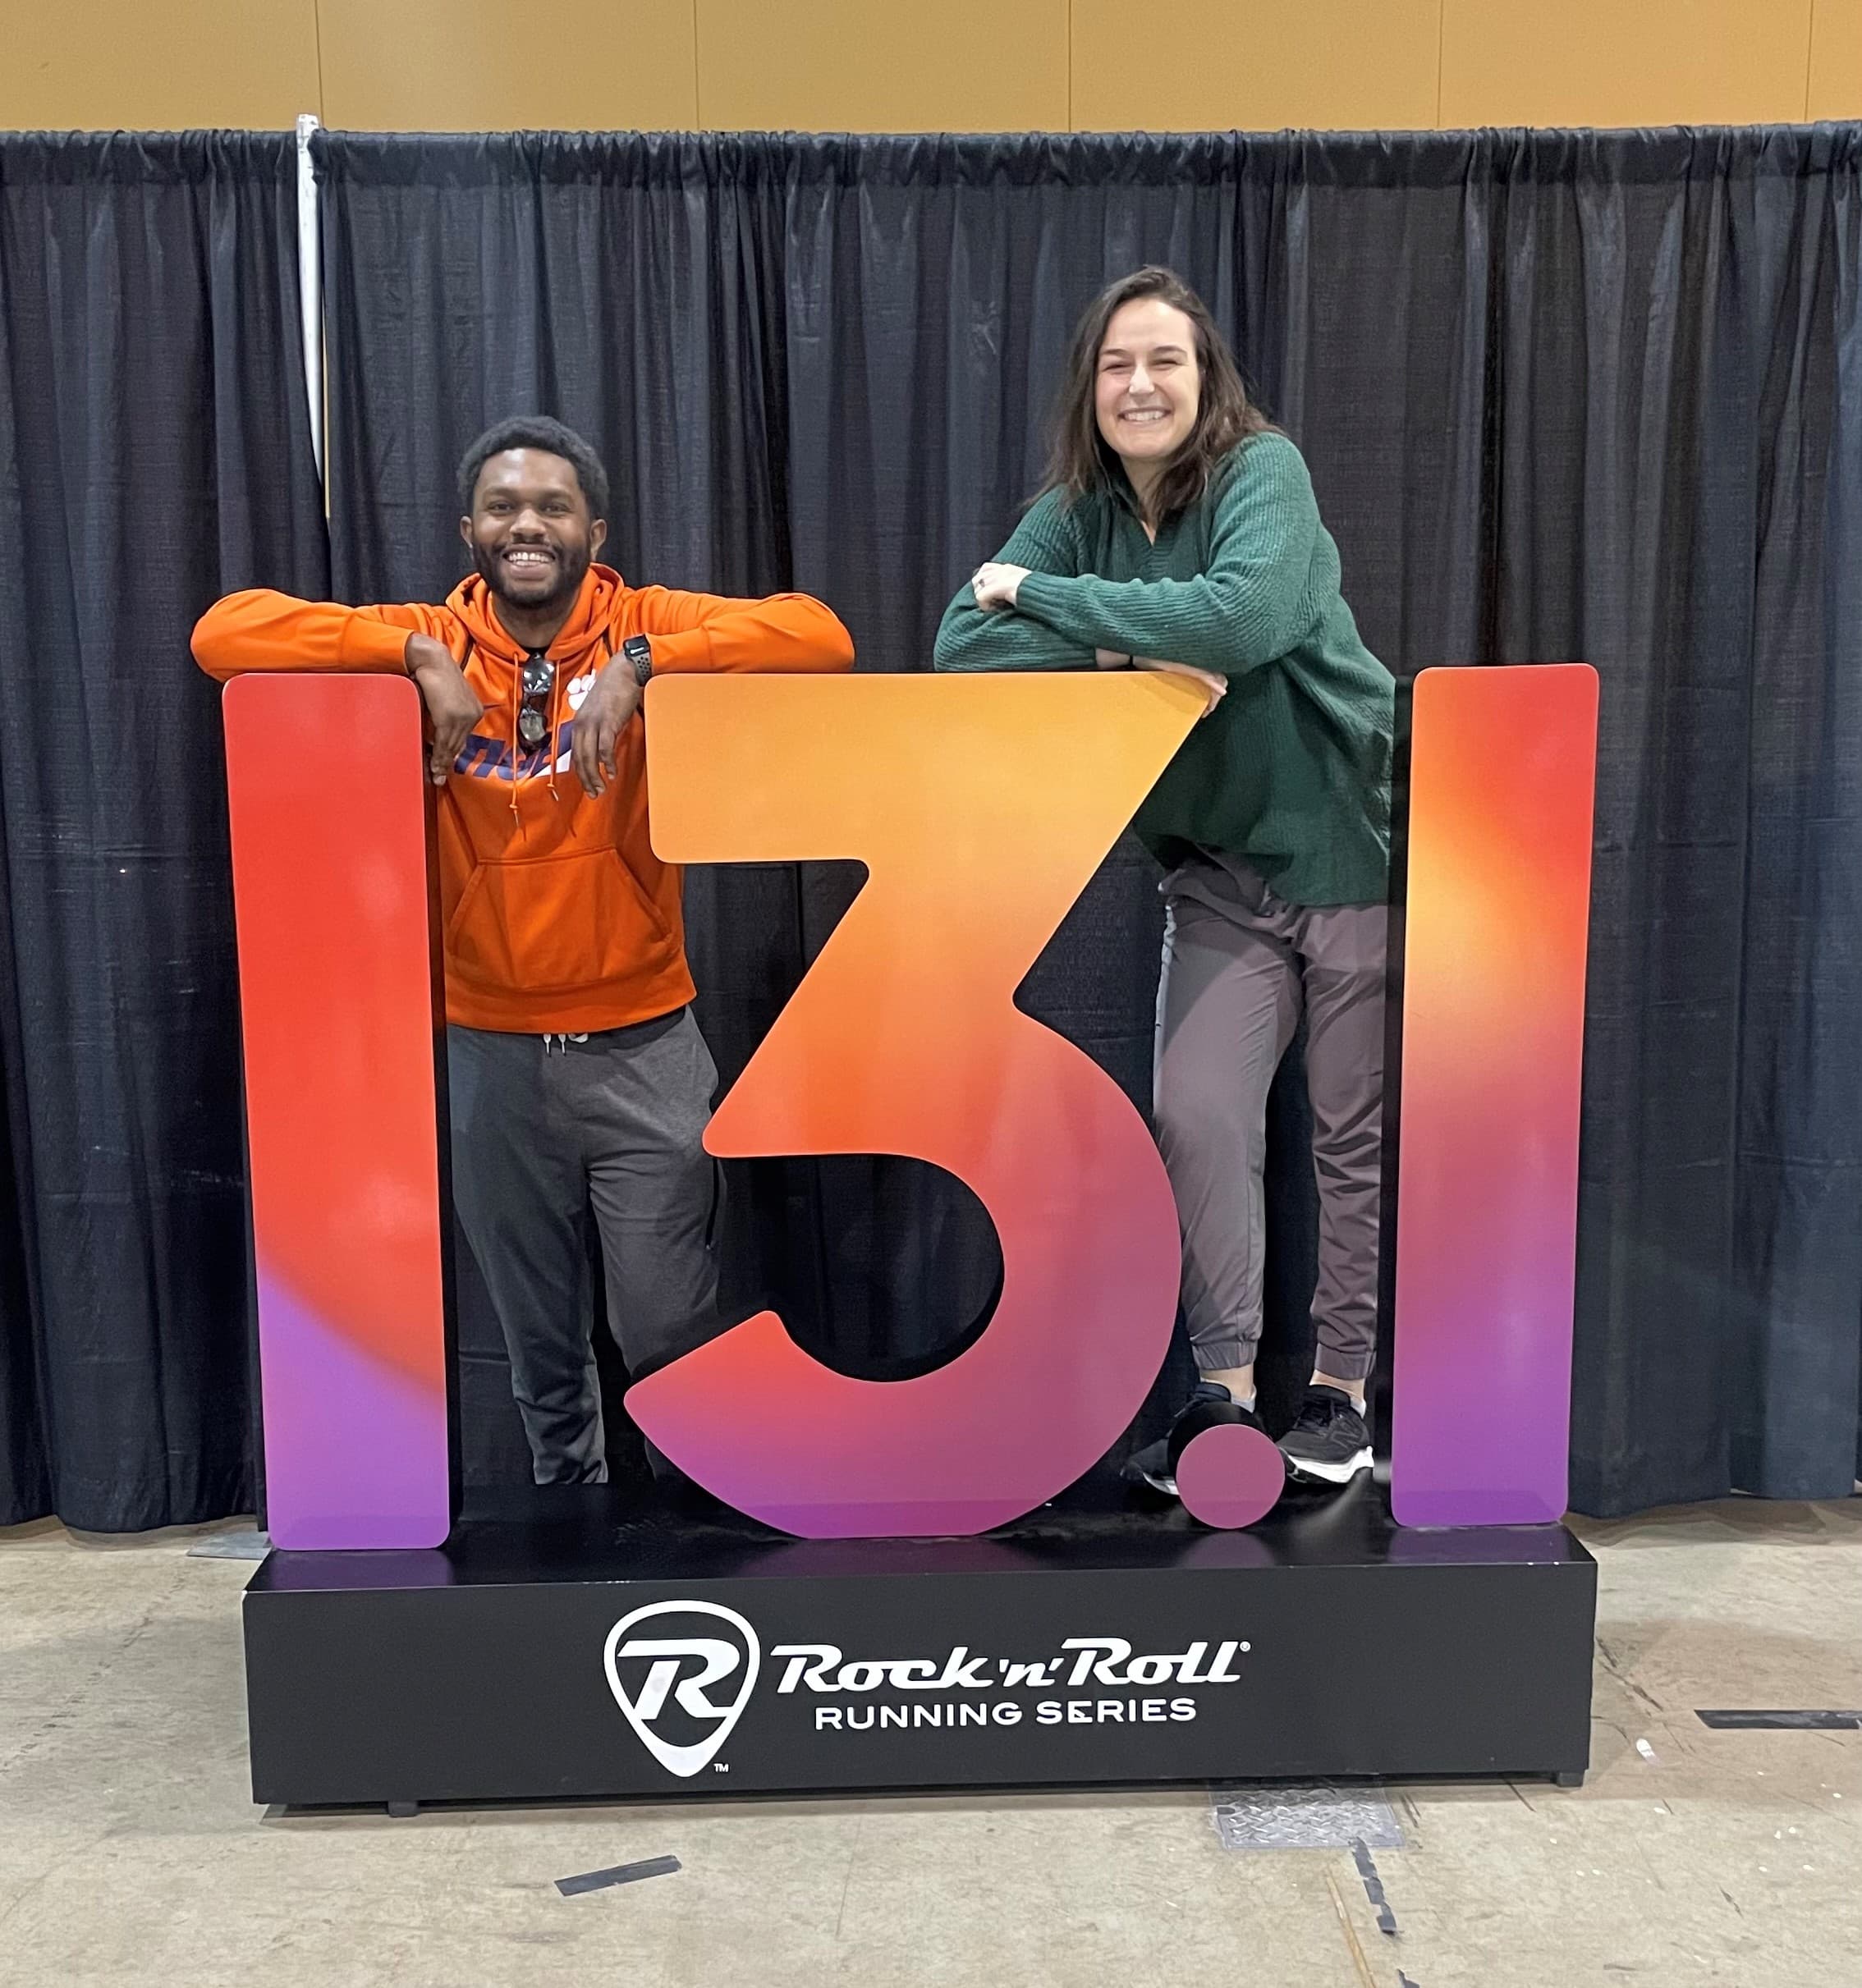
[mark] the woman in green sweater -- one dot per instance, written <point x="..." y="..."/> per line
<point x="1178" y="532"/>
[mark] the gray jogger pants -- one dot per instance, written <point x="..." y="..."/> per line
<point x="1239" y="965"/>
<point x="546" y="1129"/>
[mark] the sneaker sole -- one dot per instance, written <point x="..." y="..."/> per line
<point x="1330" y="1473"/>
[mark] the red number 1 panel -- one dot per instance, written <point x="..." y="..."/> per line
<point x="329" y="846"/>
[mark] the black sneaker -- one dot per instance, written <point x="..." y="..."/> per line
<point x="1156" y="1464"/>
<point x="1329" y="1440"/>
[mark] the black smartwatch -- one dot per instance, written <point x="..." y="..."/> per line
<point x="637" y="651"/>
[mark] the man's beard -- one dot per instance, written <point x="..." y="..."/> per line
<point x="570" y="566"/>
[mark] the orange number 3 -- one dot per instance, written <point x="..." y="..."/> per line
<point x="981" y="807"/>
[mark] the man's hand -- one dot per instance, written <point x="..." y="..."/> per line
<point x="450" y="702"/>
<point x="1214" y="688"/>
<point x="612" y="699"/>
<point x="994" y="584"/>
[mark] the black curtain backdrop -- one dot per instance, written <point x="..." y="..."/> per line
<point x="1564" y="395"/>
<point x="155" y="452"/>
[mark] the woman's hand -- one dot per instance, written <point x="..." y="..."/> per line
<point x="1214" y="688"/>
<point x="995" y="584"/>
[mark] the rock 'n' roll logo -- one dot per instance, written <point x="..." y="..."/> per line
<point x="681" y="1673"/>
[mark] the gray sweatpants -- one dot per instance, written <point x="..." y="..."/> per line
<point x="1239" y="965"/>
<point x="546" y="1129"/>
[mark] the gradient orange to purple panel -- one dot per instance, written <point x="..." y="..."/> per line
<point x="1503" y="769"/>
<point x="329" y="848"/>
<point x="981" y="807"/>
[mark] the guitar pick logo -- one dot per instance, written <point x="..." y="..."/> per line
<point x="663" y="1663"/>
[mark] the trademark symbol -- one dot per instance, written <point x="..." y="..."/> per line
<point x="718" y="1766"/>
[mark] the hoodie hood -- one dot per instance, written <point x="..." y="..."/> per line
<point x="597" y="602"/>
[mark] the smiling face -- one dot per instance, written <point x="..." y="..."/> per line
<point x="1147" y="385"/>
<point x="531" y="536"/>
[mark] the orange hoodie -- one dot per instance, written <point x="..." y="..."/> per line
<point x="558" y="916"/>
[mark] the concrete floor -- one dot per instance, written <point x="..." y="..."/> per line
<point x="129" y="1853"/>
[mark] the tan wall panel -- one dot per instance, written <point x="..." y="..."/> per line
<point x="1836" y="59"/>
<point x="903" y="66"/>
<point x="1624" y="62"/>
<point x="156" y="65"/>
<point x="970" y="65"/>
<point x="482" y="65"/>
<point x="1255" y="65"/>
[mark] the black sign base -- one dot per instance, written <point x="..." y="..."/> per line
<point x="569" y="1643"/>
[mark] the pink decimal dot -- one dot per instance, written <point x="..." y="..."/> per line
<point x="1230" y="1475"/>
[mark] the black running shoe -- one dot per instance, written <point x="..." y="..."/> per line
<point x="1156" y="1464"/>
<point x="1329" y="1441"/>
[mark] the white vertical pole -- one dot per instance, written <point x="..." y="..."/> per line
<point x="310" y="285"/>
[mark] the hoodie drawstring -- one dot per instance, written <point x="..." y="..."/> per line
<point x="517" y="741"/>
<point x="549" y="732"/>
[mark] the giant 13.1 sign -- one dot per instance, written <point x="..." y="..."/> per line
<point x="981" y="808"/>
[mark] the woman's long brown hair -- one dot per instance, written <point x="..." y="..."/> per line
<point x="1082" y="461"/>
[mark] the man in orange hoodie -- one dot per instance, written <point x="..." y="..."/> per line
<point x="578" y="1080"/>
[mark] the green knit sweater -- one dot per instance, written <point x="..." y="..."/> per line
<point x="1292" y="769"/>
